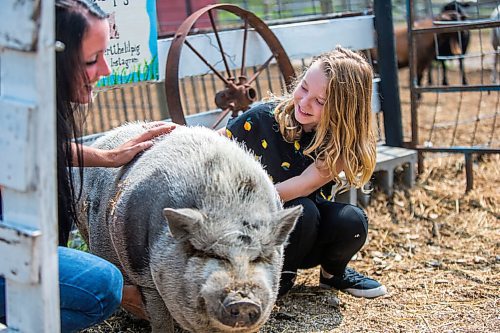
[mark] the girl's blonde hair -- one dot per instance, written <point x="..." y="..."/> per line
<point x="344" y="132"/>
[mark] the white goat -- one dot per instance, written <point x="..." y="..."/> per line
<point x="495" y="42"/>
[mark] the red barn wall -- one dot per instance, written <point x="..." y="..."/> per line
<point x="171" y="13"/>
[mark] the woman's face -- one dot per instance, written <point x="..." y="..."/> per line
<point x="94" y="43"/>
<point x="309" y="97"/>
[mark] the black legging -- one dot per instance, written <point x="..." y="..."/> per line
<point x="327" y="234"/>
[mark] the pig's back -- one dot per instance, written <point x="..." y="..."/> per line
<point x="192" y="167"/>
<point x="193" y="163"/>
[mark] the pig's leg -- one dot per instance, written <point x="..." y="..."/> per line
<point x="161" y="320"/>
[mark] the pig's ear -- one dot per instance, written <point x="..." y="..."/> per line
<point x="285" y="222"/>
<point x="182" y="222"/>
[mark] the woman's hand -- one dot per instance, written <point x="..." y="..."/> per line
<point x="132" y="302"/>
<point x="121" y="155"/>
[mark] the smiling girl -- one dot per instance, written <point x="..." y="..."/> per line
<point x="304" y="141"/>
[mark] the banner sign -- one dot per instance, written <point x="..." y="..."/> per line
<point x="133" y="51"/>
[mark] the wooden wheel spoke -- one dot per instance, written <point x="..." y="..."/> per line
<point x="260" y="69"/>
<point x="212" y="68"/>
<point x="245" y="34"/>
<point x="214" y="27"/>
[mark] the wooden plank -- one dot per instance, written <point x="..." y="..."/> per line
<point x="29" y="227"/>
<point x="388" y="158"/>
<point x="24" y="262"/>
<point x="19" y="36"/>
<point x="16" y="144"/>
<point x="388" y="153"/>
<point x="331" y="32"/>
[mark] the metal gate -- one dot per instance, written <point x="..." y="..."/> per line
<point x="470" y="125"/>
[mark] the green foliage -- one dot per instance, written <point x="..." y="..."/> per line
<point x="76" y="241"/>
<point x="138" y="73"/>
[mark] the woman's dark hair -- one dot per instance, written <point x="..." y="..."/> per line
<point x="72" y="22"/>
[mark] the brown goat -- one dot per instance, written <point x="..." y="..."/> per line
<point x="425" y="44"/>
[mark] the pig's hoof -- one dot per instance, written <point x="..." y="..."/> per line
<point x="240" y="314"/>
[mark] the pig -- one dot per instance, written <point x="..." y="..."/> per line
<point x="196" y="223"/>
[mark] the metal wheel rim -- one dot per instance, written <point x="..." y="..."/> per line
<point x="173" y="59"/>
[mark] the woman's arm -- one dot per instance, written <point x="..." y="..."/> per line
<point x="121" y="155"/>
<point x="310" y="180"/>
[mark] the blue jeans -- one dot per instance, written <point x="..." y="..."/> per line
<point x="90" y="289"/>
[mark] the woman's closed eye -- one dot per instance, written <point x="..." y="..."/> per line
<point x="91" y="62"/>
<point x="320" y="102"/>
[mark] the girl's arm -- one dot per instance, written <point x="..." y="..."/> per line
<point x="222" y="131"/>
<point x="310" y="180"/>
<point x="121" y="155"/>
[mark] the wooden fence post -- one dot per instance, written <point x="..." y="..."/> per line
<point x="28" y="232"/>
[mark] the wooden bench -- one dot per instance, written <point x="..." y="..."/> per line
<point x="388" y="159"/>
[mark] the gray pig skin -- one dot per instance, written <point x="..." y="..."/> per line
<point x="196" y="223"/>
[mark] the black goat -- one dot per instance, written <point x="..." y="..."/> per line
<point x="453" y="47"/>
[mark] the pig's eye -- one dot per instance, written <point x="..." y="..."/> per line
<point x="205" y="255"/>
<point x="194" y="252"/>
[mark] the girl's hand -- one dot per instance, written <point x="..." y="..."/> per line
<point x="310" y="180"/>
<point x="132" y="301"/>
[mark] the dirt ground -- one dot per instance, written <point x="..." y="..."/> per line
<point x="435" y="247"/>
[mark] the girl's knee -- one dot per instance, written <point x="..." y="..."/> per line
<point x="353" y="219"/>
<point x="310" y="210"/>
<point x="308" y="223"/>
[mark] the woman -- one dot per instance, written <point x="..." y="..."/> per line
<point x="90" y="287"/>
<point x="304" y="142"/>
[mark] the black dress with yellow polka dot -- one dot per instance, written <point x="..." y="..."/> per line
<point x="259" y="131"/>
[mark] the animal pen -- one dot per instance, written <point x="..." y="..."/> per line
<point x="470" y="126"/>
<point x="208" y="76"/>
<point x="27" y="179"/>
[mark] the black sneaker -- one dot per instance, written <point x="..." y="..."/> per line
<point x="354" y="283"/>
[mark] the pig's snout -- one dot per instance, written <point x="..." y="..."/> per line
<point x="240" y="312"/>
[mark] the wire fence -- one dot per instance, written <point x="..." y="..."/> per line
<point x="147" y="101"/>
<point x="456" y="101"/>
<point x="452" y="118"/>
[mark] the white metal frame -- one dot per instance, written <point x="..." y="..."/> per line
<point x="28" y="232"/>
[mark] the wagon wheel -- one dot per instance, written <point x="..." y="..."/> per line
<point x="238" y="93"/>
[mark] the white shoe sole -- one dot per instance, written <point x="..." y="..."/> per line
<point x="369" y="293"/>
